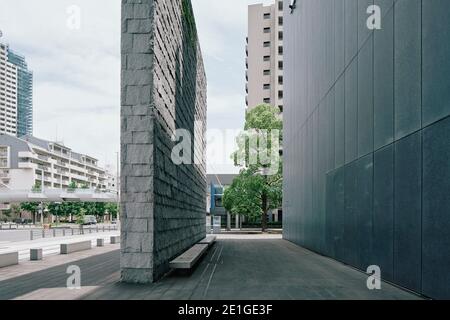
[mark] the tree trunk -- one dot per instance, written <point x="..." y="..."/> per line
<point x="264" y="214"/>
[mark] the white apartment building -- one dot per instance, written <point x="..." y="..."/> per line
<point x="28" y="161"/>
<point x="8" y="93"/>
<point x="112" y="184"/>
<point x="264" y="51"/>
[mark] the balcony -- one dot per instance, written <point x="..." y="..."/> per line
<point x="41" y="167"/>
<point x="43" y="158"/>
<point x="28" y="165"/>
<point x="60" y="163"/>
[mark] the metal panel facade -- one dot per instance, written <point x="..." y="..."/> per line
<point x="366" y="137"/>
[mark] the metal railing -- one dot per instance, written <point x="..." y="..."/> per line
<point x="65" y="232"/>
<point x="15" y="226"/>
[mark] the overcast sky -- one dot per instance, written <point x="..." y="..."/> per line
<point x="77" y="71"/>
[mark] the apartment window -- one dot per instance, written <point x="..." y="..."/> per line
<point x="266" y="15"/>
<point x="266" y="58"/>
<point x="267" y="30"/>
<point x="280" y="50"/>
<point x="280" y="5"/>
<point x="281" y="108"/>
<point x="280" y="65"/>
<point x="266" y="44"/>
<point x="280" y="94"/>
<point x="280" y="80"/>
<point x="266" y="100"/>
<point x="280" y="21"/>
<point x="3" y="157"/>
<point x="280" y="35"/>
<point x="266" y="72"/>
<point x="266" y="86"/>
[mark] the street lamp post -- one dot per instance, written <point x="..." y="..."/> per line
<point x="118" y="189"/>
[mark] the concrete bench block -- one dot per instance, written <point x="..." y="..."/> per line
<point x="35" y="254"/>
<point x="115" y="240"/>
<point x="209" y="240"/>
<point x="100" y="242"/>
<point x="67" y="248"/>
<point x="189" y="258"/>
<point x="9" y="259"/>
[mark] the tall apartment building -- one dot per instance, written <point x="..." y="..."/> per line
<point x="16" y="94"/>
<point x="29" y="161"/>
<point x="24" y="94"/>
<point x="264" y="60"/>
<point x="8" y="93"/>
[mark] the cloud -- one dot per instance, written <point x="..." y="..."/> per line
<point x="77" y="72"/>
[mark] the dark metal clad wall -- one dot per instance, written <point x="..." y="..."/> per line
<point x="367" y="137"/>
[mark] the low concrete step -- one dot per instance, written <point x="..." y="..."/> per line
<point x="9" y="259"/>
<point x="188" y="259"/>
<point x="67" y="248"/>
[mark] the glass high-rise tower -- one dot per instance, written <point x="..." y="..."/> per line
<point x="24" y="94"/>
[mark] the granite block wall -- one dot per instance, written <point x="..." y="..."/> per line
<point x="366" y="141"/>
<point x="163" y="205"/>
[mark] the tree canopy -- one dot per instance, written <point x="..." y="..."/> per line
<point x="258" y="187"/>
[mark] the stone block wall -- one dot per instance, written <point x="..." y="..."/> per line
<point x="163" y="90"/>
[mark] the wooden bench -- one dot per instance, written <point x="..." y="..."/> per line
<point x="9" y="259"/>
<point x="67" y="248"/>
<point x="189" y="258"/>
<point x="209" y="240"/>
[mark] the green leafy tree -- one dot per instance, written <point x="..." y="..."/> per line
<point x="31" y="207"/>
<point x="16" y="210"/>
<point x="90" y="207"/>
<point x="71" y="209"/>
<point x="37" y="187"/>
<point x="112" y="209"/>
<point x="258" y="188"/>
<point x="96" y="209"/>
<point x="57" y="210"/>
<point x="72" y="186"/>
<point x="80" y="216"/>
<point x="100" y="209"/>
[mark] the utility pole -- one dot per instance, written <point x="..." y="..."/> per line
<point x="42" y="203"/>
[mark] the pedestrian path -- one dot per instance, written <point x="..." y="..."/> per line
<point x="236" y="269"/>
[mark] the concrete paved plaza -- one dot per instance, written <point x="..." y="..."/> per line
<point x="233" y="269"/>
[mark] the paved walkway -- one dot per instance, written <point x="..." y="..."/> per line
<point x="232" y="269"/>
<point x="51" y="246"/>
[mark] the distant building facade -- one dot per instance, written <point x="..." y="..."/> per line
<point x="8" y="93"/>
<point x="24" y="94"/>
<point x="28" y="161"/>
<point x="215" y="189"/>
<point x="264" y="50"/>
<point x="16" y="94"/>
